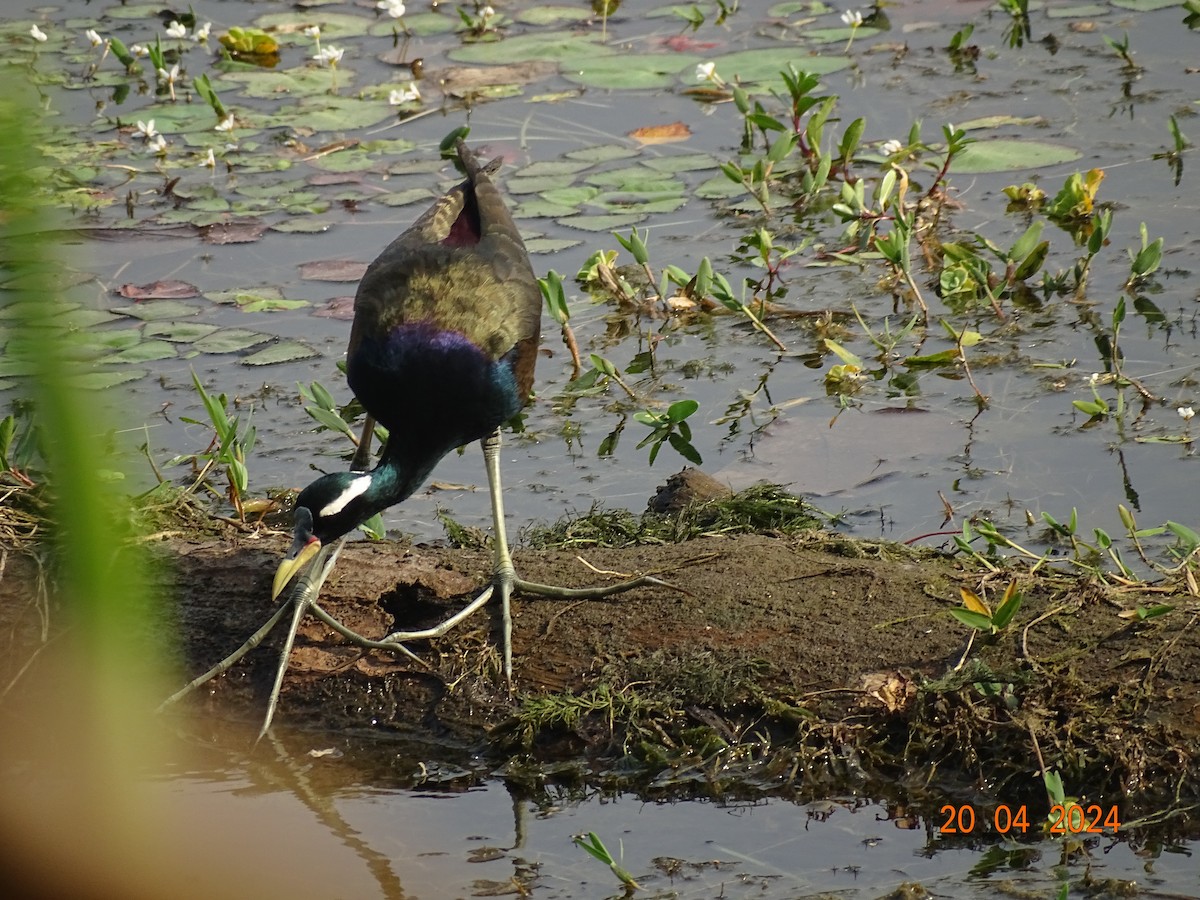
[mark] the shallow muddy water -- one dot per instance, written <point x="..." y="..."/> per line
<point x="454" y="834"/>
<point x="1027" y="451"/>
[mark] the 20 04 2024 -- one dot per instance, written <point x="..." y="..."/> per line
<point x="1071" y="818"/>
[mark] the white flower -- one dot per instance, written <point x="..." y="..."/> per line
<point x="146" y="130"/>
<point x="93" y="37"/>
<point x="312" y="31"/>
<point x="201" y="33"/>
<point x="1094" y="378"/>
<point x="225" y="124"/>
<point x="209" y="160"/>
<point x="486" y="13"/>
<point x="404" y="96"/>
<point x="170" y="77"/>
<point x="393" y="8"/>
<point x="890" y="147"/>
<point x="37" y="34"/>
<point x="1186" y="413"/>
<point x="705" y="71"/>
<point x="852" y="17"/>
<point x="158" y="144"/>
<point x="329" y="56"/>
<point x="175" y="30"/>
<point x="139" y="50"/>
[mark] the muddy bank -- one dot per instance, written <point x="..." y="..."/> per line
<point x="781" y="662"/>
<point x="784" y="660"/>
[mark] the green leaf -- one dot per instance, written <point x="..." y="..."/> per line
<point x="374" y="528"/>
<point x="1005" y="612"/>
<point x="147" y="351"/>
<point x="681" y="409"/>
<point x="1008" y="154"/>
<point x="330" y="420"/>
<point x="850" y="359"/>
<point x="1189" y="538"/>
<point x="230" y="340"/>
<point x="686" y="450"/>
<point x="630" y="71"/>
<point x="558" y="45"/>
<point x="975" y="620"/>
<point x="764" y="65"/>
<point x="284" y="351"/>
<point x="1091" y="407"/>
<point x="179" y="332"/>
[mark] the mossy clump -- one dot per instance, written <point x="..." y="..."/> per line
<point x="762" y="509"/>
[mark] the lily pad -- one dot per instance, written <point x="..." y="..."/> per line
<point x="791" y="7"/>
<point x="751" y="66"/>
<point x="549" y="245"/>
<point x="147" y="351"/>
<point x="635" y="178"/>
<point x="517" y="186"/>
<point x="230" y="340"/>
<point x="603" y="153"/>
<point x="553" y="15"/>
<point x="272" y="190"/>
<point x="689" y="162"/>
<point x="406" y="197"/>
<point x="333" y="25"/>
<point x="284" y="351"/>
<point x="718" y="188"/>
<point x="101" y="381"/>
<point x="603" y="223"/>
<point x="418" y="24"/>
<point x="85" y="318"/>
<point x="552" y="168"/>
<point x="839" y="35"/>
<point x="158" y="310"/>
<point x="1008" y="155"/>
<point x="571" y="196"/>
<point x="561" y="46"/>
<point x="619" y="200"/>
<point x="331" y="113"/>
<point x="1083" y="11"/>
<point x="630" y="72"/>
<point x="541" y="208"/>
<point x="179" y="332"/>
<point x="1144" y="5"/>
<point x="114" y="338"/>
<point x="133" y="11"/>
<point x="304" y="225"/>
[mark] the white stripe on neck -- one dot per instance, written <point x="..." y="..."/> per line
<point x="342" y="500"/>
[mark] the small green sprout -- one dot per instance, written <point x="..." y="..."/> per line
<point x="670" y="427"/>
<point x="1121" y="48"/>
<point x="1145" y="260"/>
<point x="229" y="447"/>
<point x="594" y="846"/>
<point x="976" y="614"/>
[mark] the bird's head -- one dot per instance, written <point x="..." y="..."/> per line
<point x="330" y="507"/>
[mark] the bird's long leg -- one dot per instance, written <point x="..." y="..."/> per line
<point x="299" y="606"/>
<point x="504" y="575"/>
<point x="504" y="578"/>
<point x="228" y="662"/>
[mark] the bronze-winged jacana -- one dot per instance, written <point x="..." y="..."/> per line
<point x="442" y="351"/>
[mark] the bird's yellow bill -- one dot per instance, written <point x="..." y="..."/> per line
<point x="293" y="565"/>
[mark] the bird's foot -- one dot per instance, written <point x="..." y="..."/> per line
<point x="303" y="599"/>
